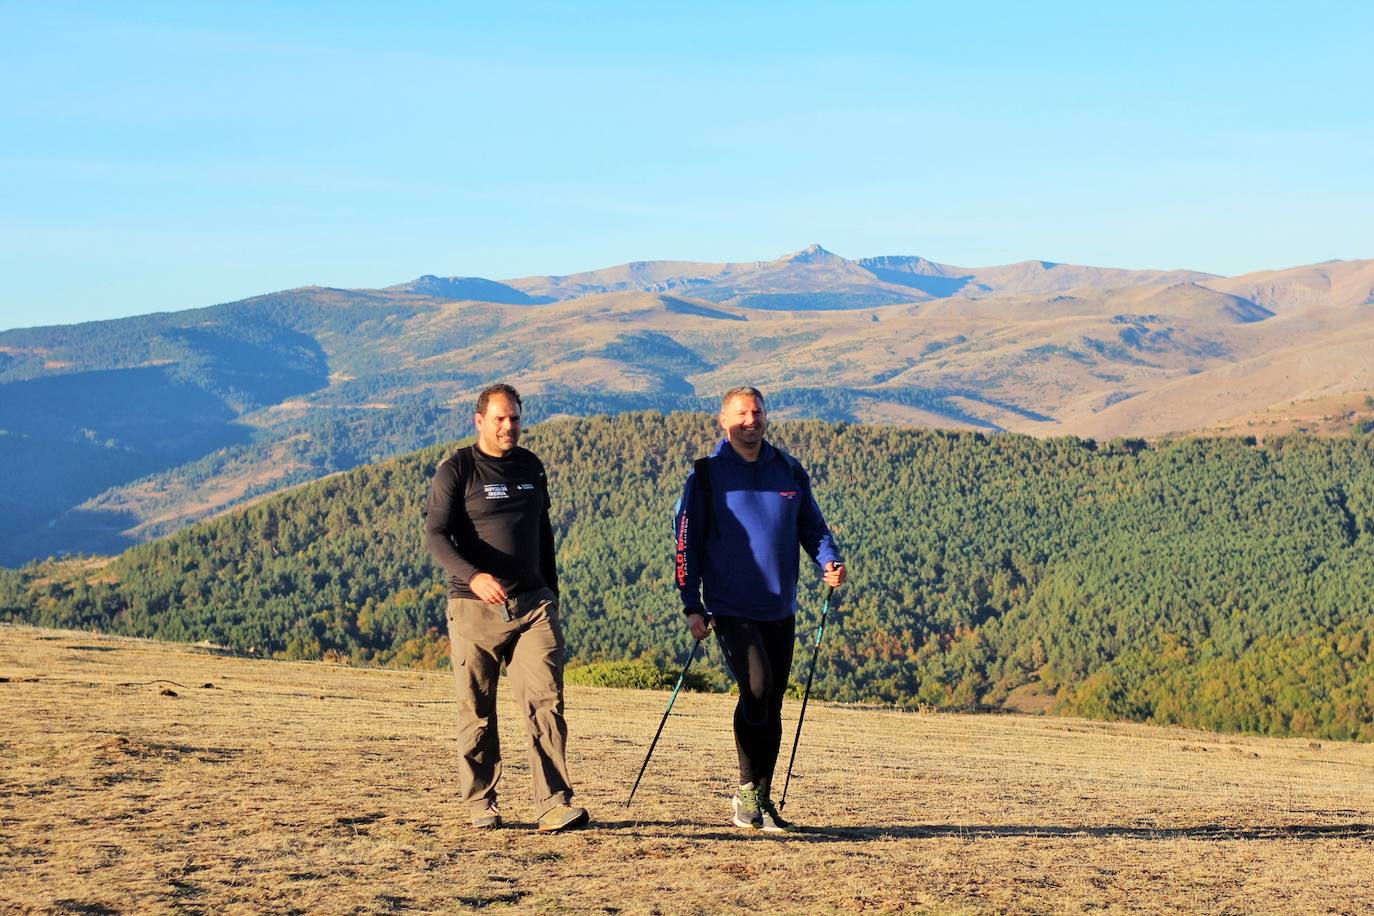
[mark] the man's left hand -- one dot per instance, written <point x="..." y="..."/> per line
<point x="834" y="575"/>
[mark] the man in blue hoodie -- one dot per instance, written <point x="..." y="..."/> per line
<point x="744" y="512"/>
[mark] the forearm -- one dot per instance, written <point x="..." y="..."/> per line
<point x="814" y="534"/>
<point x="688" y="579"/>
<point x="441" y="507"/>
<point x="827" y="551"/>
<point x="441" y="548"/>
<point x="687" y="551"/>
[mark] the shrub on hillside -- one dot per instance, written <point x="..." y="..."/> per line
<point x="637" y="675"/>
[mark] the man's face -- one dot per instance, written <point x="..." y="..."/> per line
<point x="498" y="430"/>
<point x="744" y="421"/>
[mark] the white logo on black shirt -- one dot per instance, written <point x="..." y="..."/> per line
<point x="496" y="491"/>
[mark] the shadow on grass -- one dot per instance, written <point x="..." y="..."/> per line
<point x="1218" y="832"/>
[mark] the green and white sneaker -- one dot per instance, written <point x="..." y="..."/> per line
<point x="745" y="806"/>
<point x="772" y="821"/>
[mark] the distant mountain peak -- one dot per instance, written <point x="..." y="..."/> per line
<point x="811" y="254"/>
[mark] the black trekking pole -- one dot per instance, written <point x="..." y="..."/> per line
<point x="806" y="695"/>
<point x="696" y="644"/>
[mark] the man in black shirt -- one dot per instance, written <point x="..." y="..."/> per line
<point x="487" y="524"/>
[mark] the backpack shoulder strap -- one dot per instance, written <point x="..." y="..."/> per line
<point x="543" y="477"/>
<point x="462" y="465"/>
<point x="798" y="473"/>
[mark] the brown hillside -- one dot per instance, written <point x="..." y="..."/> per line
<point x="1336" y="415"/>
<point x="1032" y="277"/>
<point x="1327" y="353"/>
<point x="1342" y="284"/>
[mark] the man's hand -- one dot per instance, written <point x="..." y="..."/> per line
<point x="485" y="586"/>
<point x="699" y="626"/>
<point x="834" y="575"/>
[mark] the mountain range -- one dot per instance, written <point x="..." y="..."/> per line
<point x="113" y="432"/>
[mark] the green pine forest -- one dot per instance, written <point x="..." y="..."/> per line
<point x="1215" y="583"/>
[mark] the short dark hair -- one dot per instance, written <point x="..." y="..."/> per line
<point x="500" y="388"/>
<point x="743" y="391"/>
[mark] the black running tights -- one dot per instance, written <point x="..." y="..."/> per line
<point x="759" y="653"/>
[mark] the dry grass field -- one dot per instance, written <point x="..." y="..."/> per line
<point x="129" y="784"/>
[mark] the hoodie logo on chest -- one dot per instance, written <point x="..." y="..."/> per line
<point x="496" y="491"/>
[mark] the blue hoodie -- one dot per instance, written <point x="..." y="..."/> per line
<point x="746" y="565"/>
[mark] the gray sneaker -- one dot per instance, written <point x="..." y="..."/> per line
<point x="772" y="821"/>
<point x="488" y="818"/>
<point x="562" y="817"/>
<point x="745" y="806"/>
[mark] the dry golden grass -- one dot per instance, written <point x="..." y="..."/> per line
<point x="316" y="788"/>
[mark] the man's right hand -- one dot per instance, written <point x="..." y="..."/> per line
<point x="485" y="587"/>
<point x="699" y="625"/>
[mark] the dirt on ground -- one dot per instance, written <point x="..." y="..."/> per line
<point x="145" y="777"/>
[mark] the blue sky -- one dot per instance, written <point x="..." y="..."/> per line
<point x="160" y="157"/>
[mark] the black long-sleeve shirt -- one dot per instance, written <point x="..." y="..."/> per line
<point x="497" y="523"/>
